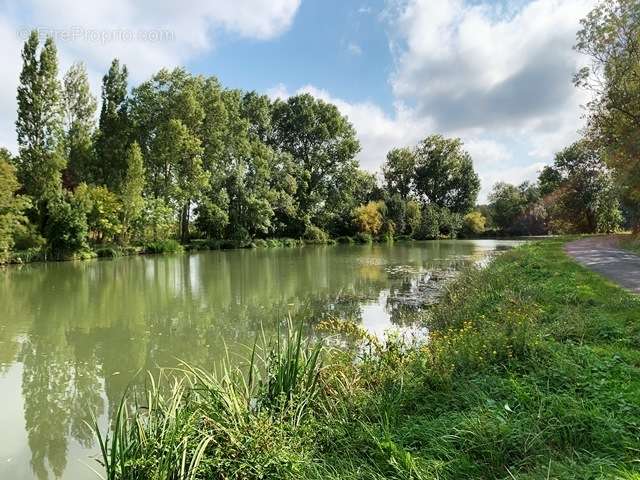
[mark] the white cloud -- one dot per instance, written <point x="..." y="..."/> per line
<point x="146" y="35"/>
<point x="354" y="49"/>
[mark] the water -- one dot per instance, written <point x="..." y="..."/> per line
<point x="73" y="335"/>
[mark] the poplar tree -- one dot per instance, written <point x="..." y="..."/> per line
<point x="79" y="109"/>
<point x="111" y="160"/>
<point x="132" y="188"/>
<point x="39" y="123"/>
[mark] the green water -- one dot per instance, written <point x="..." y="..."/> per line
<point x="73" y="335"/>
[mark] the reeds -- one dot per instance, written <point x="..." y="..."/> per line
<point x="194" y="423"/>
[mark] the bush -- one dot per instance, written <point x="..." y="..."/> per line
<point x="292" y="242"/>
<point x="345" y="239"/>
<point x="108" y="252"/>
<point x="315" y="234"/>
<point x="474" y="223"/>
<point x="363" y="238"/>
<point x="164" y="246"/>
<point x="66" y="228"/>
<point x="260" y="243"/>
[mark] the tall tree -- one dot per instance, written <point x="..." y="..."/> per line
<point x="610" y="36"/>
<point x="132" y="191"/>
<point x="321" y="142"/>
<point x="399" y="171"/>
<point x="80" y="109"/>
<point x="39" y="123"/>
<point x="113" y="136"/>
<point x="444" y="174"/>
<point x="587" y="197"/>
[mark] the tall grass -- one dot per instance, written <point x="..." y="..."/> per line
<point x="235" y="423"/>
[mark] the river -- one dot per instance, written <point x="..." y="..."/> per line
<point x="74" y="335"/>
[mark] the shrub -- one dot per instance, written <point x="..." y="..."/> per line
<point x="474" y="223"/>
<point x="108" y="252"/>
<point x="345" y="239"/>
<point x="164" y="246"/>
<point x="66" y="228"/>
<point x="363" y="238"/>
<point x="368" y="218"/>
<point x="314" y="234"/>
<point x="260" y="243"/>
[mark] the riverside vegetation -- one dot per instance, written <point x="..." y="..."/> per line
<point x="179" y="161"/>
<point x="532" y="370"/>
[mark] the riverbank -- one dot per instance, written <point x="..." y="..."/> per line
<point x="532" y="371"/>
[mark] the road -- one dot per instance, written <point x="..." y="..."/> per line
<point x="602" y="255"/>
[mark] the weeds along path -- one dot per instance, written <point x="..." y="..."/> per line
<point x="602" y="255"/>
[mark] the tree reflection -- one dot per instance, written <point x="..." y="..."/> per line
<point x="84" y="332"/>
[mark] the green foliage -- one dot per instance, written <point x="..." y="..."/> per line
<point x="587" y="196"/>
<point x="114" y="129"/>
<point x="39" y="123"/>
<point x="157" y="221"/>
<point x="314" y="234"/>
<point x="517" y="210"/>
<point x="12" y="208"/>
<point x="474" y="223"/>
<point x="102" y="209"/>
<point x="132" y="192"/>
<point x="253" y="417"/>
<point x="444" y="174"/>
<point x="326" y="154"/>
<point x="609" y="37"/>
<point x="163" y="246"/>
<point x="363" y="237"/>
<point x="79" y="112"/>
<point x="368" y="218"/>
<point x="399" y="172"/>
<point x="66" y="228"/>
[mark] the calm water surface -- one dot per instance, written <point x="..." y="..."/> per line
<point x="73" y="335"/>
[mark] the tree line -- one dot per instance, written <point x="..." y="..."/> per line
<point x="180" y="159"/>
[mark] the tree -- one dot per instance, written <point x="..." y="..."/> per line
<point x="474" y="223"/>
<point x="509" y="203"/>
<point x="549" y="180"/>
<point x="413" y="217"/>
<point x="39" y="123"/>
<point x="114" y="129"/>
<point x="399" y="172"/>
<point x="12" y="206"/>
<point x="610" y="36"/>
<point x="66" y="228"/>
<point x="102" y="211"/>
<point x="368" y="218"/>
<point x="80" y="109"/>
<point x="444" y="174"/>
<point x="321" y="142"/>
<point x="587" y="197"/>
<point x="132" y="191"/>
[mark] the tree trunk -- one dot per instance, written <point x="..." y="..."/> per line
<point x="184" y="223"/>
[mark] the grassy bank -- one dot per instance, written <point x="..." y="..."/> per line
<point x="532" y="372"/>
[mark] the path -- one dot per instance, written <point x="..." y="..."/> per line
<point x="602" y="255"/>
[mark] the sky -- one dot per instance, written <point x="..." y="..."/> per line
<point x="496" y="73"/>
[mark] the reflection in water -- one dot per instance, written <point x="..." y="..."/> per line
<point x="73" y="336"/>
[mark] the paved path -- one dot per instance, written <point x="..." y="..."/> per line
<point x="603" y="256"/>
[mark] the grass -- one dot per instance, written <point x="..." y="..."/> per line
<point x="532" y="372"/>
<point x="630" y="242"/>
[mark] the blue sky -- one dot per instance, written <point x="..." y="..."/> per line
<point x="495" y="73"/>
